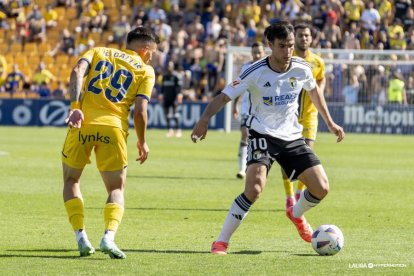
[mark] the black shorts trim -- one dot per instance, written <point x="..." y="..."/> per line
<point x="293" y="156"/>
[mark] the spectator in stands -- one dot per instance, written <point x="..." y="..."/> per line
<point x="15" y="8"/>
<point x="385" y="11"/>
<point x="61" y="91"/>
<point x="37" y="25"/>
<point x="410" y="39"/>
<point x="318" y="18"/>
<point x="408" y="21"/>
<point x="22" y="28"/>
<point x="213" y="27"/>
<point x="350" y="91"/>
<point x="66" y="45"/>
<point x="400" y="8"/>
<point x="383" y="38"/>
<point x="410" y="90"/>
<point x="379" y="84"/>
<point x="396" y="35"/>
<point x="332" y="31"/>
<point x="156" y="13"/>
<point x="43" y="90"/>
<point x="363" y="95"/>
<point x="251" y="32"/>
<point x="3" y="71"/>
<point x="366" y="39"/>
<point x="291" y="9"/>
<point x="175" y="17"/>
<point x="405" y="69"/>
<point x="119" y="31"/>
<point x="196" y="29"/>
<point x="50" y="16"/>
<point x="41" y="76"/>
<point x="64" y="3"/>
<point x="3" y="16"/>
<point x="396" y="89"/>
<point x="181" y="37"/>
<point x="85" y="42"/>
<point x="370" y="18"/>
<point x="99" y="21"/>
<point x="336" y="6"/>
<point x="350" y="42"/>
<point x="162" y="29"/>
<point x="14" y="80"/>
<point x="88" y="15"/>
<point x="353" y="11"/>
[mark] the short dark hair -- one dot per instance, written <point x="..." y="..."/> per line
<point x="301" y="26"/>
<point x="279" y="30"/>
<point x="257" y="44"/>
<point x="144" y="34"/>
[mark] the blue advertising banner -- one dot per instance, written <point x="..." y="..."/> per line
<point x="390" y="119"/>
<point x="53" y="113"/>
<point x="387" y="119"/>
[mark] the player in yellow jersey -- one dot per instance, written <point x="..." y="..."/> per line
<point x="104" y="84"/>
<point x="308" y="114"/>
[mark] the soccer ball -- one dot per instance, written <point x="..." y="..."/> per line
<point x="327" y="240"/>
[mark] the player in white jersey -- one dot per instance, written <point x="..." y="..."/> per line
<point x="274" y="84"/>
<point x="258" y="52"/>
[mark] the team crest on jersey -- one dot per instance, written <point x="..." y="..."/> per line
<point x="257" y="155"/>
<point x="293" y="82"/>
<point x="235" y="83"/>
<point x="268" y="100"/>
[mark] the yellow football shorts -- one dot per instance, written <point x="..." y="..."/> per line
<point x="109" y="144"/>
<point x="310" y="127"/>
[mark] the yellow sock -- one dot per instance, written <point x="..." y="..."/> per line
<point x="74" y="208"/>
<point x="113" y="213"/>
<point x="301" y="186"/>
<point x="288" y="187"/>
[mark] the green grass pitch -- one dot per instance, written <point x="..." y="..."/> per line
<point x="177" y="201"/>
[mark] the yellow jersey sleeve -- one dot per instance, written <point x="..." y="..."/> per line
<point x="308" y="114"/>
<point x="147" y="84"/>
<point x="319" y="69"/>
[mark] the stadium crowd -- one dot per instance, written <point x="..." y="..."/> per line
<point x="41" y="40"/>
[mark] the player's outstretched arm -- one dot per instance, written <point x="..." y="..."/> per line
<point x="318" y="100"/>
<point x="200" y="129"/>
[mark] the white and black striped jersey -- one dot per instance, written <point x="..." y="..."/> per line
<point x="274" y="96"/>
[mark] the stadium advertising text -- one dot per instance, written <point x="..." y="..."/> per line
<point x="372" y="118"/>
<point x="354" y="118"/>
<point x="53" y="113"/>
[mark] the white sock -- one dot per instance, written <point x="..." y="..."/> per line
<point x="305" y="202"/>
<point x="242" y="156"/>
<point x="109" y="235"/>
<point x="81" y="234"/>
<point x="238" y="211"/>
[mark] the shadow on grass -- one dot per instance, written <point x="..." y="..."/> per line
<point x="47" y="256"/>
<point x="190" y="209"/>
<point x="306" y="255"/>
<point x="180" y="177"/>
<point x="244" y="252"/>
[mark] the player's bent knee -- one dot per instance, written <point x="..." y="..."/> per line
<point x="254" y="192"/>
<point x="324" y="188"/>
